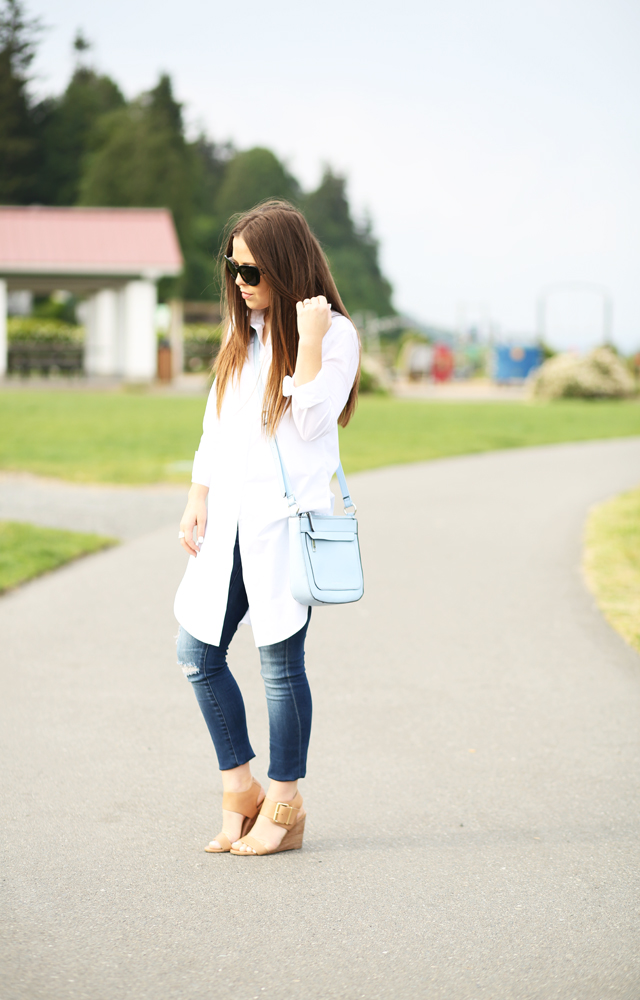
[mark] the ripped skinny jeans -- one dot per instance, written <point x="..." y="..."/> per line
<point x="220" y="700"/>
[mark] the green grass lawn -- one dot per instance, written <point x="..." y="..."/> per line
<point x="612" y="562"/>
<point x="391" y="431"/>
<point x="27" y="551"/>
<point x="125" y="438"/>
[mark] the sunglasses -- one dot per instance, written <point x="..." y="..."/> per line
<point x="249" y="273"/>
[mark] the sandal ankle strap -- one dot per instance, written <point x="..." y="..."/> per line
<point x="283" y="813"/>
<point x="245" y="803"/>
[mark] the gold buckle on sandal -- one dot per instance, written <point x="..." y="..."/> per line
<point x="276" y="814"/>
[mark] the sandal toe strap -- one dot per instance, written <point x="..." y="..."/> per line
<point x="256" y="844"/>
<point x="223" y="840"/>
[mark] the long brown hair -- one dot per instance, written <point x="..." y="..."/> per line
<point x="292" y="261"/>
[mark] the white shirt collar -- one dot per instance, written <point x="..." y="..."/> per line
<point x="257" y="322"/>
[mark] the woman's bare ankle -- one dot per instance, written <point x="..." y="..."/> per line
<point x="282" y="791"/>
<point x="237" y="779"/>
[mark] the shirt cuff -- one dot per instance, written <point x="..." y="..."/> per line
<point x="308" y="394"/>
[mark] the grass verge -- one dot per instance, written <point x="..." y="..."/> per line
<point x="394" y="431"/>
<point x="612" y="562"/>
<point x="125" y="438"/>
<point x="27" y="551"/>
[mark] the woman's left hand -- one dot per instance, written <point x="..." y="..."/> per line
<point x="314" y="319"/>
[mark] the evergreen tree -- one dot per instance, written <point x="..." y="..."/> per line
<point x="67" y="128"/>
<point x="19" y="145"/>
<point x="139" y="157"/>
<point x="211" y="163"/>
<point x="352" y="250"/>
<point x="201" y="277"/>
<point x="251" y="177"/>
<point x="328" y="213"/>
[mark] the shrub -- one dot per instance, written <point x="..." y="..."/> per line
<point x="601" y="374"/>
<point x="201" y="345"/>
<point x="203" y="331"/>
<point x="43" y="330"/>
<point x="368" y="382"/>
<point x="373" y="377"/>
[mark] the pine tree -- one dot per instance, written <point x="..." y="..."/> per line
<point x="67" y="128"/>
<point x="352" y="250"/>
<point x="139" y="157"/>
<point x="19" y="139"/>
<point x="251" y="177"/>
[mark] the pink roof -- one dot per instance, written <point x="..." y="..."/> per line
<point x="88" y="241"/>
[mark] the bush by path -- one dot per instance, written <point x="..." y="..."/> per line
<point x="601" y="374"/>
<point x="27" y="551"/>
<point x="139" y="438"/>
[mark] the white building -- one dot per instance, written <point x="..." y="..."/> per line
<point x="113" y="256"/>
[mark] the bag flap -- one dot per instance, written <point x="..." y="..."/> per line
<point x="322" y="523"/>
<point x="332" y="536"/>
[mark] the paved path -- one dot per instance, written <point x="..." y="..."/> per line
<point x="473" y="786"/>
<point x="118" y="511"/>
<point x="476" y="390"/>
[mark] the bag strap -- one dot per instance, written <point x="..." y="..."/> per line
<point x="285" y="482"/>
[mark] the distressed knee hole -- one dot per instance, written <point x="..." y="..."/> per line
<point x="190" y="669"/>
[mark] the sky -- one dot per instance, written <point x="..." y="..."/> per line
<point x="495" y="144"/>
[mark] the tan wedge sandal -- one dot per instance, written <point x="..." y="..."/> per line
<point x="245" y="803"/>
<point x="285" y="814"/>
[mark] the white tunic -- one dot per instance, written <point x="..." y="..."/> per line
<point x="235" y="461"/>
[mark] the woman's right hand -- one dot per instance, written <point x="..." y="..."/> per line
<point x="195" y="516"/>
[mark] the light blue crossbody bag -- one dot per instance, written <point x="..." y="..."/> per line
<point x="324" y="555"/>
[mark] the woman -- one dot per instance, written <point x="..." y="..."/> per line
<point x="290" y="364"/>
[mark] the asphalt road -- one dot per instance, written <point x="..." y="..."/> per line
<point x="117" y="511"/>
<point x="473" y="783"/>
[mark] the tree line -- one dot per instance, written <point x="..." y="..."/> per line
<point x="91" y="146"/>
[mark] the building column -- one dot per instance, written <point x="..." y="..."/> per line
<point x="4" y="344"/>
<point x="87" y="313"/>
<point x="100" y="356"/>
<point x="176" y="337"/>
<point x="139" y="346"/>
